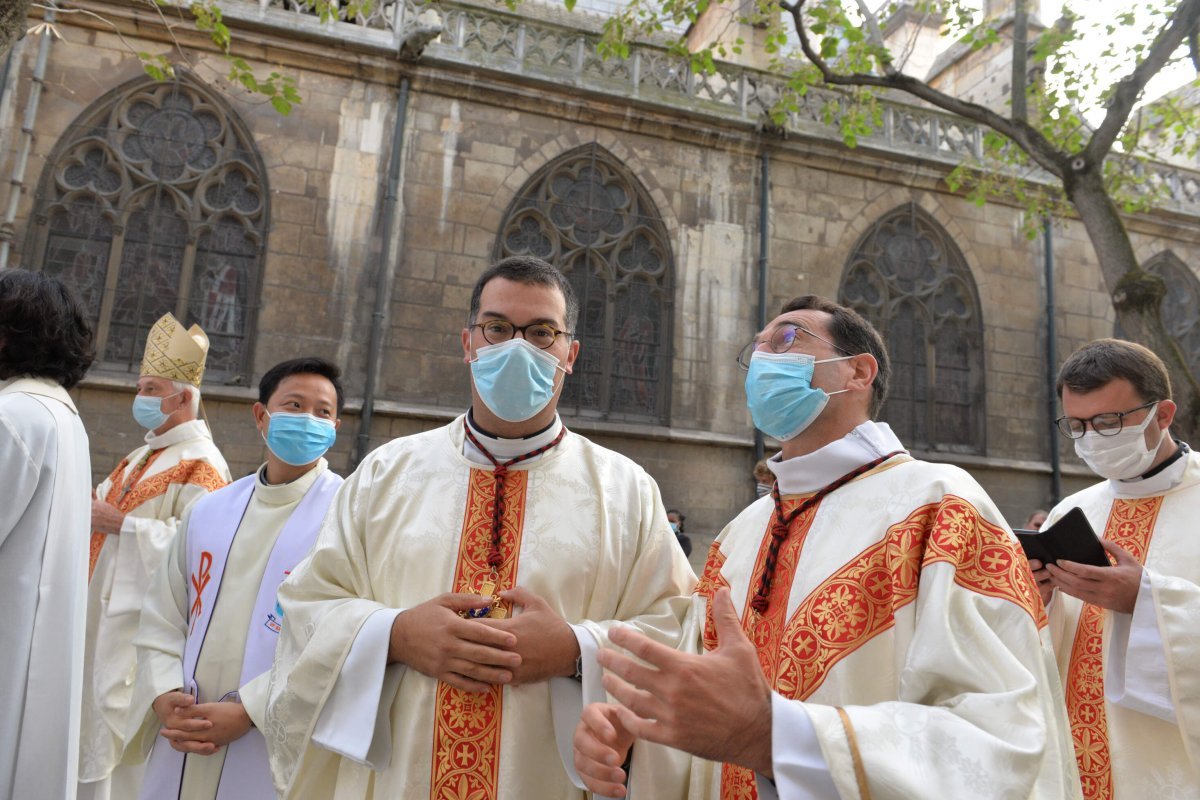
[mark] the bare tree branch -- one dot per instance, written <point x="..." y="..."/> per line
<point x="1128" y="89"/>
<point x="60" y="10"/>
<point x="1022" y="133"/>
<point x="876" y="36"/>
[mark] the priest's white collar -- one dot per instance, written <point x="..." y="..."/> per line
<point x="192" y="429"/>
<point x="504" y="449"/>
<point x="280" y="494"/>
<point x="43" y="387"/>
<point x="1159" y="483"/>
<point x="812" y="471"/>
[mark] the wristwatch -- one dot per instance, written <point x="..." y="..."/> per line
<point x="578" y="668"/>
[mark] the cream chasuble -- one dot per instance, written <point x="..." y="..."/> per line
<point x="1132" y="681"/>
<point x="902" y="638"/>
<point x="44" y="521"/>
<point x="166" y="626"/>
<point x="582" y="526"/>
<point x="153" y="487"/>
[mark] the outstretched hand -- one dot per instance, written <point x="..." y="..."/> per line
<point x="716" y="705"/>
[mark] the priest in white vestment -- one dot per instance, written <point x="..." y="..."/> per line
<point x="135" y="514"/>
<point x="45" y="349"/>
<point x="1126" y="635"/>
<point x="211" y="620"/>
<point x="433" y="644"/>
<point x="868" y="630"/>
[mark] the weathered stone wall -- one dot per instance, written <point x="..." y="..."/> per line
<point x="471" y="142"/>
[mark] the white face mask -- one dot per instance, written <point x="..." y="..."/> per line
<point x="1122" y="456"/>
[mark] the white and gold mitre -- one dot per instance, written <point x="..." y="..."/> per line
<point x="173" y="353"/>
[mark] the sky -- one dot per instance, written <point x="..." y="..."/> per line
<point x="1098" y="13"/>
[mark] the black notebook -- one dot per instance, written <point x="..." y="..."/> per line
<point x="1069" y="539"/>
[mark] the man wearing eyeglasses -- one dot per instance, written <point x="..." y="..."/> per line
<point x="869" y="629"/>
<point x="1126" y="635"/>
<point x="438" y="642"/>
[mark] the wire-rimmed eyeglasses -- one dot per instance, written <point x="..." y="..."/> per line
<point x="782" y="339"/>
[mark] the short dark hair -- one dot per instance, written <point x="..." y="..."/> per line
<point x="308" y="365"/>
<point x="44" y="329"/>
<point x="854" y="335"/>
<point x="1096" y="363"/>
<point x="532" y="272"/>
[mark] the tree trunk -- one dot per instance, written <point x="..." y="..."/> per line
<point x="12" y="24"/>
<point x="1136" y="294"/>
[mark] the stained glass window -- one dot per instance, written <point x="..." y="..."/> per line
<point x="910" y="280"/>
<point x="154" y="200"/>
<point x="587" y="214"/>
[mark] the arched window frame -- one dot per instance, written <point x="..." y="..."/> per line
<point x="221" y="150"/>
<point x="940" y="297"/>
<point x="617" y="377"/>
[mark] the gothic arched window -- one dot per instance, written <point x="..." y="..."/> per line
<point x="1180" y="306"/>
<point x="155" y="200"/>
<point x="910" y="280"/>
<point x="587" y="214"/>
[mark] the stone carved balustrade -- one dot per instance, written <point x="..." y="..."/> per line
<point x="546" y="44"/>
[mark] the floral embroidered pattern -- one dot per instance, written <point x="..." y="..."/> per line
<point x="1130" y="525"/>
<point x="766" y="630"/>
<point x="195" y="472"/>
<point x="466" y="727"/>
<point x="860" y="600"/>
<point x="710" y="581"/>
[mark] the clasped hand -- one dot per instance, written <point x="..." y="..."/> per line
<point x="476" y="654"/>
<point x="199" y="728"/>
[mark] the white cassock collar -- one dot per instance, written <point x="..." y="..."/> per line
<point x="192" y="429"/>
<point x="1159" y="483"/>
<point x="504" y="449"/>
<point x="812" y="471"/>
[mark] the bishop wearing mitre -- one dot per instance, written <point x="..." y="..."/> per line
<point x="135" y="514"/>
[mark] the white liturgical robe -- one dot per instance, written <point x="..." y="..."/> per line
<point x="903" y="639"/>
<point x="1132" y="681"/>
<point x="152" y="487"/>
<point x="44" y="520"/>
<point x="210" y="624"/>
<point x="582" y="526"/>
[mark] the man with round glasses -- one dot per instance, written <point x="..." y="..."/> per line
<point x="869" y="629"/>
<point x="440" y="640"/>
<point x="1126" y="634"/>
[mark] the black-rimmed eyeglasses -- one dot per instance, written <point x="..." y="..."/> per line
<point x="1108" y="424"/>
<point x="538" y="334"/>
<point x="782" y="339"/>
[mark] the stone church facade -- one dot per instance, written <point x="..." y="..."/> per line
<point x="419" y="155"/>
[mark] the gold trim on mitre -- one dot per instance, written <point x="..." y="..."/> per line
<point x="173" y="353"/>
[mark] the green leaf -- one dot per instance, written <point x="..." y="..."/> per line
<point x="281" y="105"/>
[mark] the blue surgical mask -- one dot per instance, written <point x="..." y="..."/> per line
<point x="780" y="393"/>
<point x="515" y="380"/>
<point x="299" y="439"/>
<point x="148" y="413"/>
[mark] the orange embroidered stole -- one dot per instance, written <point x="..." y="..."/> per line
<point x="466" y="726"/>
<point x="860" y="600"/>
<point x="121" y="496"/>
<point x="127" y="495"/>
<point x="1130" y="525"/>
